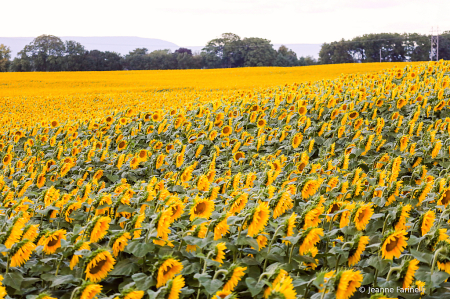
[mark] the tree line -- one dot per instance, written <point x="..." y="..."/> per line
<point x="49" y="53"/>
<point x="390" y="47"/>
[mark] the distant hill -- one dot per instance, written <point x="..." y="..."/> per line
<point x="125" y="44"/>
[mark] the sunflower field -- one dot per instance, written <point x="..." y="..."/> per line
<point x="338" y="188"/>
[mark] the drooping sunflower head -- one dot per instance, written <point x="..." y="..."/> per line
<point x="167" y="270"/>
<point x="409" y="268"/>
<point x="363" y="215"/>
<point x="98" y="228"/>
<point x="219" y="251"/>
<point x="89" y="290"/>
<point x="347" y="282"/>
<point x="260" y="217"/>
<point x="52" y="241"/>
<point x="394" y="244"/>
<point x="99" y="264"/>
<point x="175" y="286"/>
<point x="237" y="273"/>
<point x="20" y="253"/>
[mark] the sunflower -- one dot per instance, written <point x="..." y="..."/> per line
<point x="404" y="214"/>
<point x="227" y="130"/>
<point x="285" y="288"/>
<point x="410" y="267"/>
<point x="310" y="188"/>
<point x="52" y="241"/>
<point x="260" y="217"/>
<point x="238" y="155"/>
<point x="357" y="249"/>
<point x="120" y="242"/>
<point x="284" y="203"/>
<point x="427" y="222"/>
<point x="202" y="208"/>
<point x="78" y="247"/>
<point x="131" y="294"/>
<point x="219" y="251"/>
<point x="296" y="140"/>
<point x="312" y="217"/>
<point x="30" y="232"/>
<point x="289" y="227"/>
<point x="261" y="123"/>
<point x="15" y="232"/>
<point x="167" y="270"/>
<point x="21" y="252"/>
<point x="237" y="274"/>
<point x="309" y="239"/>
<point x="352" y="115"/>
<point x="163" y="221"/>
<point x="221" y="294"/>
<point x="362" y="216"/>
<point x="122" y="145"/>
<point x="222" y="227"/>
<point x="99" y="229"/>
<point x="349" y="281"/>
<point x="89" y="290"/>
<point x="42" y="296"/>
<point x="175" y="286"/>
<point x="7" y="159"/>
<point x="394" y="244"/>
<point x="99" y="264"/>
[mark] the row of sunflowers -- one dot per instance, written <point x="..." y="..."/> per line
<point x="314" y="190"/>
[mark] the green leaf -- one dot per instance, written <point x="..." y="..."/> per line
<point x="422" y="256"/>
<point x="248" y="241"/>
<point x="63" y="279"/>
<point x="142" y="281"/>
<point x="254" y="286"/>
<point x="437" y="278"/>
<point x="139" y="249"/>
<point x="212" y="286"/>
<point x="124" y="268"/>
<point x="13" y="280"/>
<point x="191" y="240"/>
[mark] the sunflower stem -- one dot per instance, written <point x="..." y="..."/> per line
<point x="323" y="294"/>
<point x="384" y="224"/>
<point x="7" y="264"/>
<point x="74" y="292"/>
<point x="218" y="272"/>
<point x="435" y="259"/>
<point x="239" y="234"/>
<point x="291" y="252"/>
<point x="59" y="264"/>
<point x="206" y="261"/>
<point x="307" y="288"/>
<point x="262" y="275"/>
<point x="270" y="246"/>
<point x="392" y="270"/>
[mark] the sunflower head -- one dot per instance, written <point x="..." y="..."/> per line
<point x="169" y="267"/>
<point x="393" y="244"/>
<point x="99" y="264"/>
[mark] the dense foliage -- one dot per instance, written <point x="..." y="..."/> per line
<point x="394" y="47"/>
<point x="49" y="53"/>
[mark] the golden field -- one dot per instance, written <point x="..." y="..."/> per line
<point x="66" y="96"/>
<point x="311" y="182"/>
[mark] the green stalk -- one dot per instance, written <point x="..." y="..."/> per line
<point x="435" y="259"/>
<point x="392" y="270"/>
<point x="270" y="246"/>
<point x="218" y="272"/>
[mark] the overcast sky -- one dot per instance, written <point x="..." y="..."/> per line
<point x="194" y="22"/>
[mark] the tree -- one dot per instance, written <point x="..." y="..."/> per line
<point x="225" y="51"/>
<point x="137" y="59"/>
<point x="75" y="55"/>
<point x="285" y="57"/>
<point x="45" y="53"/>
<point x="444" y="45"/>
<point x="5" y="56"/>
<point x="335" y="52"/>
<point x="258" y="52"/>
<point x="308" y="60"/>
<point x="162" y="60"/>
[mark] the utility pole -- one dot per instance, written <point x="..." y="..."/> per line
<point x="434" y="44"/>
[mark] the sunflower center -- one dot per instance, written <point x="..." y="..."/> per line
<point x="334" y="208"/>
<point x="98" y="267"/>
<point x="361" y="216"/>
<point x="53" y="242"/>
<point x="446" y="198"/>
<point x="200" y="208"/>
<point x="166" y="271"/>
<point x="392" y="245"/>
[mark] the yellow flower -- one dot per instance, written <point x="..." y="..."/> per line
<point x="349" y="281"/>
<point x="21" y="253"/>
<point x="175" y="287"/>
<point x="394" y="244"/>
<point x="220" y="252"/>
<point x="52" y="241"/>
<point x="120" y="243"/>
<point x="202" y="208"/>
<point x="309" y="239"/>
<point x="236" y="276"/>
<point x="75" y="258"/>
<point x="310" y="188"/>
<point x="412" y="267"/>
<point x="259" y="219"/>
<point x="90" y="290"/>
<point x="167" y="270"/>
<point x="427" y="222"/>
<point x="100" y="264"/>
<point x="357" y="249"/>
